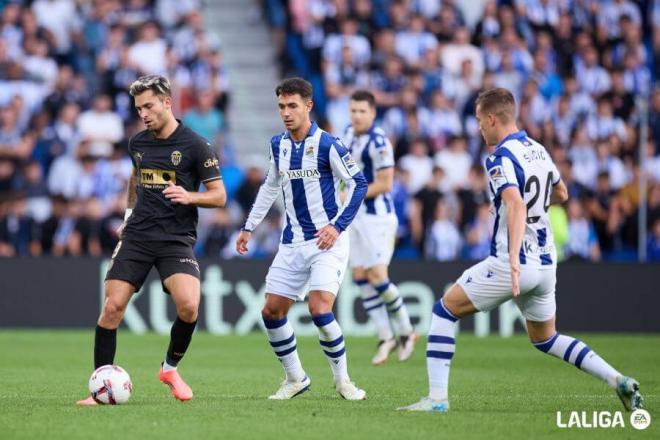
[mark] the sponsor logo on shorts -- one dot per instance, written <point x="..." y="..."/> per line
<point x="190" y="261"/>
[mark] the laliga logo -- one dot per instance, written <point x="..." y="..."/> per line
<point x="639" y="419"/>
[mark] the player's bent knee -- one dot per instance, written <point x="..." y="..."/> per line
<point x="188" y="311"/>
<point x="539" y="332"/>
<point x="320" y="302"/>
<point x="319" y="308"/>
<point x="359" y="273"/>
<point x="377" y="275"/>
<point x="272" y="313"/>
<point x="112" y="313"/>
<point x="457" y="302"/>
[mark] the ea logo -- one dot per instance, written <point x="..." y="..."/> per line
<point x="640" y="419"/>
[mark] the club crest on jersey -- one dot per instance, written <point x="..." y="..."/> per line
<point x="310" y="150"/>
<point x="176" y="157"/>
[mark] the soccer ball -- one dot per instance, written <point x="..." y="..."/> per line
<point x="111" y="385"/>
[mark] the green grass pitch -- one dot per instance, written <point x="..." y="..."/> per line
<point x="500" y="388"/>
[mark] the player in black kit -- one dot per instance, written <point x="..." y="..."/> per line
<point x="169" y="163"/>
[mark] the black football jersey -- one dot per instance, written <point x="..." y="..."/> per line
<point x="185" y="159"/>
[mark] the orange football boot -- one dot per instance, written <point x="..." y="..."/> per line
<point x="180" y="389"/>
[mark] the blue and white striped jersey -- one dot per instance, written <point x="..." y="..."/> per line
<point x="372" y="152"/>
<point x="524" y="163"/>
<point x="309" y="174"/>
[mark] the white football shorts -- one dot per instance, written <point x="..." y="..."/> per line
<point x="298" y="269"/>
<point x="372" y="240"/>
<point x="488" y="284"/>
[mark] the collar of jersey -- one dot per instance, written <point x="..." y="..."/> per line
<point x="517" y="135"/>
<point x="312" y="130"/>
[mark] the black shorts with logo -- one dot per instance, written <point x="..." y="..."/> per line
<point x="132" y="260"/>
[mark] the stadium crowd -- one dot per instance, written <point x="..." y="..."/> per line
<point x="576" y="68"/>
<point x="66" y="116"/>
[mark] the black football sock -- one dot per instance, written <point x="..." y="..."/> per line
<point x="105" y="345"/>
<point x="180" y="337"/>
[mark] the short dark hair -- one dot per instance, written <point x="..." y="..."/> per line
<point x="156" y="83"/>
<point x="295" y="86"/>
<point x="498" y="101"/>
<point x="364" y="95"/>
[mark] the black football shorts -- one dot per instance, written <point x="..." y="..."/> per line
<point x="132" y="260"/>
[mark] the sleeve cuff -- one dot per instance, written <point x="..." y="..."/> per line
<point x="503" y="187"/>
<point x="211" y="179"/>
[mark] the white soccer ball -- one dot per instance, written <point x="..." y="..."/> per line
<point x="111" y="385"/>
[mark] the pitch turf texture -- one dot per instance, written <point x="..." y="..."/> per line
<point x="500" y="388"/>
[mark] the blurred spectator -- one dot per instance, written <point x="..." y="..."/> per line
<point x="602" y="206"/>
<point x="653" y="244"/>
<point x="444" y="241"/>
<point x="204" y="119"/>
<point x="148" y="53"/>
<point x="479" y="232"/>
<point x="473" y="195"/>
<point x="593" y="78"/>
<point x="582" y="243"/>
<point x="456" y="162"/>
<point x="101" y="127"/>
<point x="219" y="233"/>
<point x="418" y="164"/>
<point x="14" y="144"/>
<point x="413" y="41"/>
<point x="423" y="208"/>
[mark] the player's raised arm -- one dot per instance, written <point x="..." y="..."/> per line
<point x="345" y="167"/>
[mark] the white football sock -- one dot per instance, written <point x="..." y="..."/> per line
<point x="375" y="308"/>
<point x="283" y="341"/>
<point x="332" y="342"/>
<point x="579" y="354"/>
<point x="395" y="306"/>
<point x="440" y="349"/>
